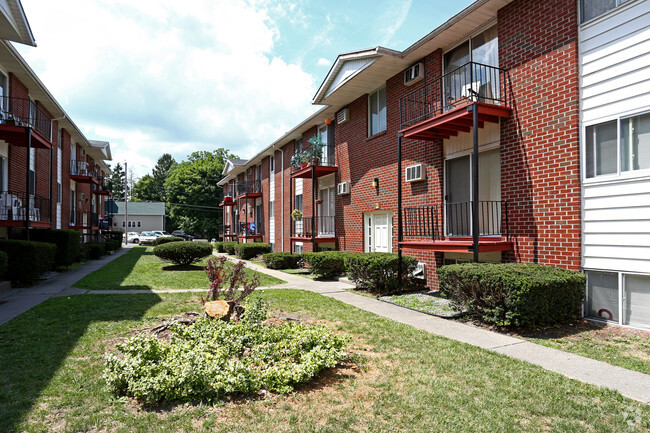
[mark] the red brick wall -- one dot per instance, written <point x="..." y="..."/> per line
<point x="540" y="144"/>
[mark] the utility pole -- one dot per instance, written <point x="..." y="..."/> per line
<point x="126" y="212"/>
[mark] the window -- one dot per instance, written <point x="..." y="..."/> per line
<point x="590" y="9"/>
<point x="377" y="112"/>
<point x="272" y="163"/>
<point x="271" y="210"/>
<point x="259" y="172"/>
<point x="297" y="146"/>
<point x="629" y="305"/>
<point x="32" y="182"/>
<point x="59" y="192"/>
<point x="298" y="202"/>
<point x="139" y="223"/>
<point x="122" y="223"/>
<point x="616" y="146"/>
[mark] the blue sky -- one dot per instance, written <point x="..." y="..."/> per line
<point x="154" y="77"/>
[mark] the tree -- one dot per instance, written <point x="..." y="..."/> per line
<point x="151" y="187"/>
<point x="117" y="182"/>
<point x="193" y="193"/>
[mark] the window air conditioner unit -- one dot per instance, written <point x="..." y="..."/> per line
<point x="414" y="173"/>
<point x="414" y="74"/>
<point x="419" y="272"/>
<point x="343" y="188"/>
<point x="343" y="116"/>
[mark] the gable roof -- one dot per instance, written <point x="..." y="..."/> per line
<point x="137" y="207"/>
<point x="13" y="23"/>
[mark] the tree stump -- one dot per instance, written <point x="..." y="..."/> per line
<point x="219" y="309"/>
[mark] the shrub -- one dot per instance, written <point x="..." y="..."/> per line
<point x="183" y="253"/>
<point x="229" y="284"/>
<point x="218" y="247"/>
<point x="4" y="262"/>
<point x="95" y="251"/>
<point x="326" y="264"/>
<point x="514" y="294"/>
<point x="111" y="245"/>
<point x="67" y="244"/>
<point x="115" y="235"/>
<point x="248" y="251"/>
<point x="378" y="271"/>
<point x="282" y="260"/>
<point x="229" y="247"/>
<point x="27" y="259"/>
<point x="204" y="361"/>
<point x="167" y="239"/>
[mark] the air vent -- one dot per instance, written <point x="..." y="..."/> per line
<point x="343" y="116"/>
<point x="419" y="272"/>
<point x="343" y="188"/>
<point x="414" y="173"/>
<point x="414" y="74"/>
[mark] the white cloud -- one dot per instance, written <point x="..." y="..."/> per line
<point x="324" y="62"/>
<point x="154" y="77"/>
<point x="392" y="19"/>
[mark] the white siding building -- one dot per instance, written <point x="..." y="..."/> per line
<point x="614" y="42"/>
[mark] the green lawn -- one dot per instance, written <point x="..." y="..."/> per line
<point x="141" y="269"/>
<point x="405" y="380"/>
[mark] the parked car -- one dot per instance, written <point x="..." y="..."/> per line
<point x="161" y="234"/>
<point x="182" y="234"/>
<point x="133" y="237"/>
<point x="147" y="238"/>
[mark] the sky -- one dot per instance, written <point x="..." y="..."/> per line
<point x="154" y="77"/>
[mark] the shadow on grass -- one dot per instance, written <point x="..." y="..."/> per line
<point x="182" y="268"/>
<point x="34" y="345"/>
<point x="115" y="272"/>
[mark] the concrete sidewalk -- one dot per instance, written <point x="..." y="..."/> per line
<point x="14" y="302"/>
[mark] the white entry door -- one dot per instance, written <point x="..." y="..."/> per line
<point x="379" y="232"/>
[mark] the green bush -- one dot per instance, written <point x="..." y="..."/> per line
<point x="514" y="294"/>
<point x="67" y="244"/>
<point x="378" y="271"/>
<point x="111" y="245"/>
<point x="27" y="259"/>
<point x="167" y="239"/>
<point x="326" y="264"/>
<point x="248" y="251"/>
<point x="115" y="235"/>
<point x="204" y="361"/>
<point x="229" y="247"/>
<point x="282" y="260"/>
<point x="4" y="263"/>
<point x="183" y="253"/>
<point x="218" y="247"/>
<point x="95" y="251"/>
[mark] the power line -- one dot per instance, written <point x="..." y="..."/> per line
<point x="208" y="208"/>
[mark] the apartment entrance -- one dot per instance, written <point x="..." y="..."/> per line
<point x="378" y="227"/>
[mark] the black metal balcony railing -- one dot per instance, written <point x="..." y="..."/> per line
<point x="472" y="82"/>
<point x="249" y="187"/>
<point x="250" y="229"/>
<point x="82" y="168"/>
<point x="24" y="112"/>
<point x="84" y="219"/>
<point x="13" y="207"/>
<point x="103" y="183"/>
<point x="313" y="155"/>
<point x="455" y="220"/>
<point x="325" y="226"/>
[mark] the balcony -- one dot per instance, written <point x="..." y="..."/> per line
<point x="442" y="108"/>
<point x="228" y="233"/>
<point x="250" y="230"/>
<point x="83" y="172"/>
<point x="14" y="210"/>
<point x="103" y="187"/>
<point x="448" y="227"/>
<point x="84" y="220"/>
<point x="324" y="229"/>
<point x="249" y="189"/>
<point x="16" y="114"/>
<point x="317" y="157"/>
<point x="227" y="200"/>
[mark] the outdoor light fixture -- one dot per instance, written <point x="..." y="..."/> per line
<point x="375" y="182"/>
<point x="328" y="121"/>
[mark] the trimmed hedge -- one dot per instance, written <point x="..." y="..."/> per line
<point x="27" y="259"/>
<point x="514" y="294"/>
<point x="229" y="247"/>
<point x="282" y="260"/>
<point x="67" y="244"/>
<point x="111" y="245"/>
<point x="378" y="271"/>
<point x="183" y="253"/>
<point x="115" y="235"/>
<point x="327" y="264"/>
<point x="93" y="251"/>
<point x="167" y="239"/>
<point x="4" y="263"/>
<point x="248" y="251"/>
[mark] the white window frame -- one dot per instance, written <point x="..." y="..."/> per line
<point x="582" y="13"/>
<point x="385" y="124"/>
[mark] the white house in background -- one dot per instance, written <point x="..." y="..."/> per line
<point x="143" y="216"/>
<point x="614" y="40"/>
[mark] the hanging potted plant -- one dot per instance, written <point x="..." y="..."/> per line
<point x="296" y="215"/>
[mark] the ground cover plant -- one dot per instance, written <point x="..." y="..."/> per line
<point x="402" y="379"/>
<point x="141" y="269"/>
<point x="430" y="303"/>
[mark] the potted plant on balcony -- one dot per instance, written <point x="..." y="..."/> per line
<point x="296" y="214"/>
<point x="299" y="159"/>
<point x="317" y="146"/>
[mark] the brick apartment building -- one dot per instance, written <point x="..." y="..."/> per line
<point x="481" y="141"/>
<point x="51" y="176"/>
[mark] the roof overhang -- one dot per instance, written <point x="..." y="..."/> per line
<point x="13" y="23"/>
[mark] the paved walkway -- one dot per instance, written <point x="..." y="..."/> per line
<point x="629" y="383"/>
